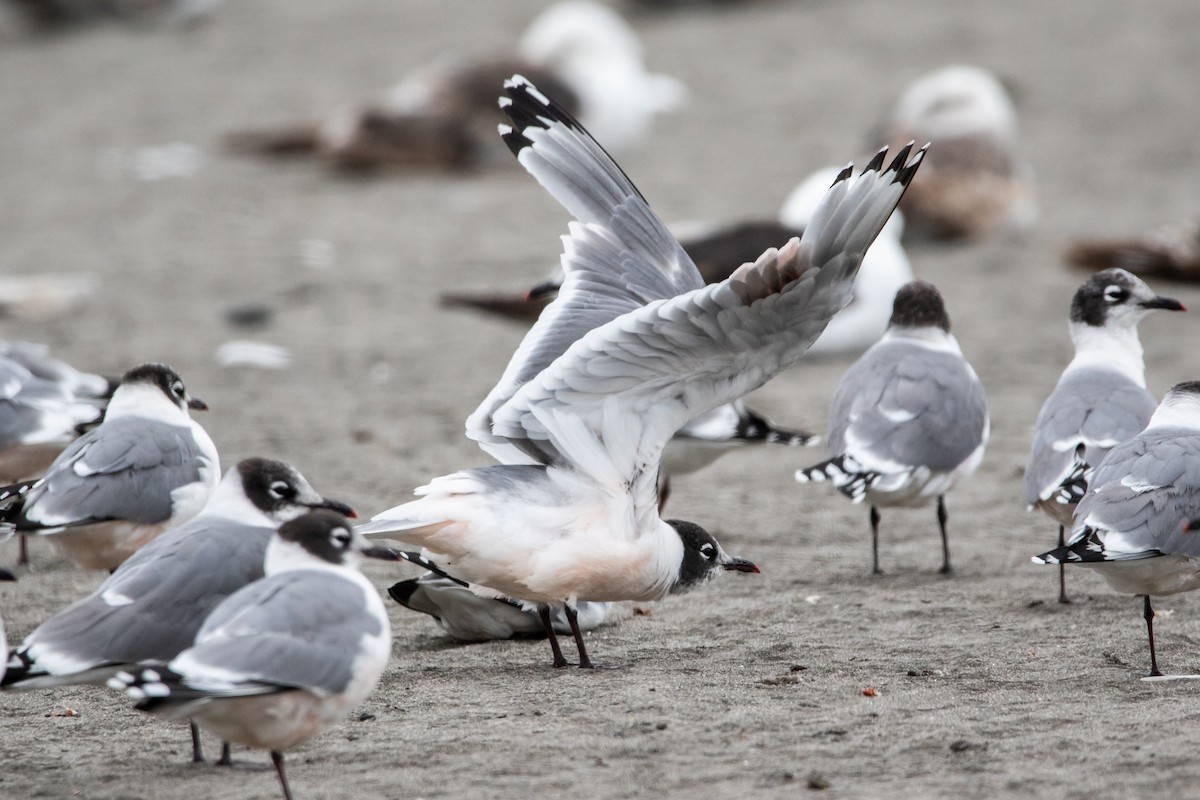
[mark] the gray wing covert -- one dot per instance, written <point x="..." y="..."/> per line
<point x="1144" y="491"/>
<point x="296" y="629"/>
<point x="1094" y="408"/>
<point x="913" y="406"/>
<point x="124" y="469"/>
<point x="154" y="604"/>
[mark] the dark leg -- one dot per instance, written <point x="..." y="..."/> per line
<point x="197" y="751"/>
<point x="22" y="550"/>
<point x="1148" y="613"/>
<point x="559" y="661"/>
<point x="875" y="570"/>
<point x="226" y="755"/>
<point x="942" y="517"/>
<point x="277" y="760"/>
<point x="573" y="618"/>
<point x="1062" y="568"/>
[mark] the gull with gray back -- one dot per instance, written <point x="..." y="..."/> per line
<point x="632" y="348"/>
<point x="285" y="658"/>
<point x="909" y="419"/>
<point x="145" y="469"/>
<point x="153" y="605"/>
<point x="1132" y="525"/>
<point x="1100" y="401"/>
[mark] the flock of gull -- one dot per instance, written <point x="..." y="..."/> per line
<point x="235" y="602"/>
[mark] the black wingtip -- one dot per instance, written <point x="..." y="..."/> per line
<point x="901" y="156"/>
<point x="514" y="139"/>
<point x="845" y="174"/>
<point x="527" y="106"/>
<point x="905" y="176"/>
<point x="403" y="591"/>
<point x="876" y="162"/>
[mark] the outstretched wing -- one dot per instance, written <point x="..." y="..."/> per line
<point x="618" y="257"/>
<point x="610" y="403"/>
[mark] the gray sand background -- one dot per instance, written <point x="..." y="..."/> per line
<point x="753" y="687"/>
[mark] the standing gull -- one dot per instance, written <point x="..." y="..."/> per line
<point x="283" y="659"/>
<point x="153" y="605"/>
<point x="1130" y="526"/>
<point x="147" y="468"/>
<point x="909" y="419"/>
<point x="977" y="181"/>
<point x="5" y="575"/>
<point x="633" y="347"/>
<point x="1101" y="399"/>
<point x="44" y="405"/>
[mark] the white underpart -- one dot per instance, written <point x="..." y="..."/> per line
<point x="1177" y="410"/>
<point x="1112" y="347"/>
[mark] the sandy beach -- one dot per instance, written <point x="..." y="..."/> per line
<point x="985" y="686"/>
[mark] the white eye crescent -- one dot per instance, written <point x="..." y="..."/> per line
<point x="708" y="551"/>
<point x="280" y="490"/>
<point x="1114" y="294"/>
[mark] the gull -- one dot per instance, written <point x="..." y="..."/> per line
<point x="284" y="658"/>
<point x="145" y="469"/>
<point x="633" y="347"/>
<point x="1171" y="251"/>
<point x="466" y="616"/>
<point x="909" y="419"/>
<point x="1101" y="399"/>
<point x="885" y="268"/>
<point x="977" y="182"/>
<point x="580" y="52"/>
<point x="5" y="575"/>
<point x="717" y="250"/>
<point x="155" y="602"/>
<point x="1130" y="526"/>
<point x="44" y="405"/>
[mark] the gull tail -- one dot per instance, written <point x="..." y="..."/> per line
<point x="753" y="427"/>
<point x="1087" y="548"/>
<point x="156" y="687"/>
<point x="12" y="493"/>
<point x="847" y="475"/>
<point x="1073" y="487"/>
<point x="20" y="668"/>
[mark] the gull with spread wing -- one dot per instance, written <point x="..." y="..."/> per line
<point x="633" y="347"/>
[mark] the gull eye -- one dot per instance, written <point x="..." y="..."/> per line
<point x="281" y="490"/>
<point x="177" y="389"/>
<point x="708" y="551"/>
<point x="341" y="538"/>
<point x="1115" y="294"/>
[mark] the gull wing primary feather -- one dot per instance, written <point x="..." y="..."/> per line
<point x="669" y="358"/>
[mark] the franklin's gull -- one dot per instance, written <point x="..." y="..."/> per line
<point x="1101" y="399"/>
<point x="909" y="419"/>
<point x="633" y="347"/>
